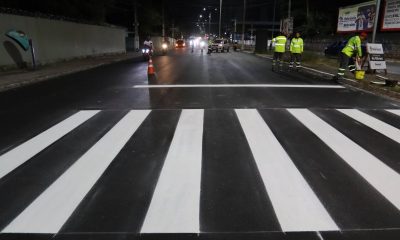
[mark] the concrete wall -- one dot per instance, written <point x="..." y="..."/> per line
<point x="56" y="40"/>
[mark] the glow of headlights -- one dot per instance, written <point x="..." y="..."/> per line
<point x="164" y="46"/>
<point x="202" y="44"/>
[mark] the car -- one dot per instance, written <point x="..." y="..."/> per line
<point x="219" y="45"/>
<point x="334" y="49"/>
<point x="180" y="43"/>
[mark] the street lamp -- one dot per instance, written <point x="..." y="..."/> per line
<point x="220" y="17"/>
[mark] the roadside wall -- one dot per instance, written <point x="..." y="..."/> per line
<point x="56" y="40"/>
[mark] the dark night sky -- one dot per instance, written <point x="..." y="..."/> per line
<point x="184" y="13"/>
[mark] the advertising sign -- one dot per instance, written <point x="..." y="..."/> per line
<point x="376" y="56"/>
<point x="391" y="17"/>
<point x="357" y="18"/>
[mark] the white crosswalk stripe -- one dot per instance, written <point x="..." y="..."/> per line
<point x="396" y="111"/>
<point x="19" y="155"/>
<point x="295" y="204"/>
<point x="379" y="175"/>
<point x="52" y="208"/>
<point x="382" y="127"/>
<point x="176" y="200"/>
<point x="175" y="203"/>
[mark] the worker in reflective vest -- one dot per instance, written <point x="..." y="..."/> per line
<point x="280" y="46"/>
<point x="296" y="50"/>
<point x="352" y="49"/>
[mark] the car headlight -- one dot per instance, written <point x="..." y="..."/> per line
<point x="220" y="45"/>
<point x="184" y="44"/>
<point x="164" y="46"/>
<point x="202" y="44"/>
<point x="143" y="51"/>
<point x="147" y="50"/>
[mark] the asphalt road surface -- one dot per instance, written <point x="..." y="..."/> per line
<point x="214" y="147"/>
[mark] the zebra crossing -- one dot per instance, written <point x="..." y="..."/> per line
<point x="205" y="171"/>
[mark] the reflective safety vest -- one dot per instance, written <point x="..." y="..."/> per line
<point x="353" y="47"/>
<point x="297" y="45"/>
<point x="280" y="43"/>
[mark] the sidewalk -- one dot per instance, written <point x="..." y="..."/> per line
<point x="327" y="68"/>
<point x="18" y="78"/>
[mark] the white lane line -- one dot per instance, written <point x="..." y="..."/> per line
<point x="51" y="209"/>
<point x="383" y="178"/>
<point x="22" y="153"/>
<point x="296" y="205"/>
<point x="176" y="200"/>
<point x="394" y="111"/>
<point x="238" y="86"/>
<point x="376" y="124"/>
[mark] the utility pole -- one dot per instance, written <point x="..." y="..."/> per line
<point x="173" y="30"/>
<point x="163" y="20"/>
<point x="308" y="9"/>
<point x="220" y="17"/>
<point x="244" y="22"/>
<point x="290" y="8"/>
<point x="209" y="24"/>
<point x="235" y="29"/>
<point x="378" y="7"/>
<point x="273" y="20"/>
<point x="136" y="39"/>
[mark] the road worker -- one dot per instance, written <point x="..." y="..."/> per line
<point x="280" y="47"/>
<point x="296" y="50"/>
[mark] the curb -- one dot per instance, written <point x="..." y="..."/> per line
<point x="348" y="82"/>
<point x="11" y="86"/>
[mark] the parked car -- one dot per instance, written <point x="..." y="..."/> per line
<point x="219" y="45"/>
<point x="334" y="49"/>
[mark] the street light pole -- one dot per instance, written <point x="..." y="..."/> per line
<point x="290" y="8"/>
<point x="244" y="22"/>
<point x="378" y="6"/>
<point x="273" y="20"/>
<point x="209" y="24"/>
<point x="163" y="20"/>
<point x="220" y="17"/>
<point x="136" y="39"/>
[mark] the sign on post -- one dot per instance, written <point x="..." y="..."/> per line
<point x="376" y="56"/>
<point x="357" y="18"/>
<point x="391" y="16"/>
<point x="287" y="26"/>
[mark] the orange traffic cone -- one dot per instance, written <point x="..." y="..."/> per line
<point x="150" y="70"/>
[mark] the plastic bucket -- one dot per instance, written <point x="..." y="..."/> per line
<point x="360" y="75"/>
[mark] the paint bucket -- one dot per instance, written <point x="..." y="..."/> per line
<point x="360" y="75"/>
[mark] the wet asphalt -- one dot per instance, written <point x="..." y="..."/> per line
<point x="234" y="201"/>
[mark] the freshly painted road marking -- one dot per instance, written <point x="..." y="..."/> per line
<point x="176" y="200"/>
<point x="52" y="208"/>
<point x="296" y="205"/>
<point x="238" y="86"/>
<point x="380" y="176"/>
<point x="378" y="125"/>
<point x="19" y="155"/>
<point x="395" y="111"/>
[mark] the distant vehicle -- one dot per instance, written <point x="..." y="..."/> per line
<point x="180" y="43"/>
<point x="147" y="53"/>
<point x="219" y="45"/>
<point x="164" y="47"/>
<point x="334" y="49"/>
